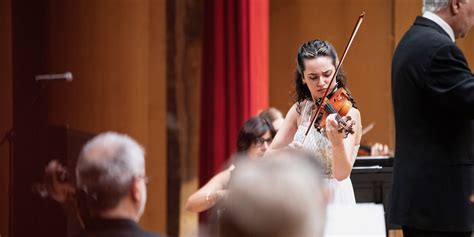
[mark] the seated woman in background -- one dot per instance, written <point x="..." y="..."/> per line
<point x="254" y="138"/>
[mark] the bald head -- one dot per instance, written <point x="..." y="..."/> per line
<point x="106" y="168"/>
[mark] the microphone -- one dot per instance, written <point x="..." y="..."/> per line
<point x="67" y="76"/>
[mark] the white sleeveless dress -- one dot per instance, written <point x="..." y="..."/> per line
<point x="341" y="191"/>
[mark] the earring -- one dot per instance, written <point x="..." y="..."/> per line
<point x="303" y="81"/>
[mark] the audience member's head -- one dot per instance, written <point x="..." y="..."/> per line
<point x="255" y="137"/>
<point x="274" y="116"/>
<point x="281" y="195"/>
<point x="111" y="174"/>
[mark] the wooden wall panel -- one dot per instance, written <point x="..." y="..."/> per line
<point x="116" y="51"/>
<point x="29" y="49"/>
<point x="6" y="113"/>
<point x="367" y="65"/>
<point x="405" y="14"/>
<point x="155" y="217"/>
<point x="467" y="46"/>
<point x="186" y="89"/>
<point x="105" y="45"/>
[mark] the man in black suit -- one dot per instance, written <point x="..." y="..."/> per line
<point x="433" y="99"/>
<point x="110" y="175"/>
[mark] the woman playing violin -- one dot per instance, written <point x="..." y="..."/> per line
<point x="316" y="64"/>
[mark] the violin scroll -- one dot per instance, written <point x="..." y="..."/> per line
<point x="55" y="183"/>
<point x="57" y="186"/>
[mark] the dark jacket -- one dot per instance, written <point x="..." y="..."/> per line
<point x="433" y="99"/>
<point x="115" y="228"/>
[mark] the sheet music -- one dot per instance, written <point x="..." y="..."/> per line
<point x="355" y="220"/>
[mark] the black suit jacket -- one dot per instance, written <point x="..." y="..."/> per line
<point x="433" y="99"/>
<point x="115" y="228"/>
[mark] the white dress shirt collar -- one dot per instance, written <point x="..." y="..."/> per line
<point x="438" y="20"/>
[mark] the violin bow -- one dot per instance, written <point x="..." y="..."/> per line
<point x="354" y="32"/>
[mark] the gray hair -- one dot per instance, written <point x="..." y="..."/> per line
<point x="435" y="5"/>
<point x="106" y="167"/>
<point x="280" y="195"/>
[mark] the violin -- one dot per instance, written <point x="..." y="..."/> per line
<point x="340" y="104"/>
<point x="56" y="185"/>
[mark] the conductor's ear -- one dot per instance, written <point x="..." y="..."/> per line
<point x="455" y="6"/>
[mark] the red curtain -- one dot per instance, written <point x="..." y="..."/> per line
<point x="235" y="76"/>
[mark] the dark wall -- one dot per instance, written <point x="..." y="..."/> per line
<point x="6" y="113"/>
<point x="30" y="48"/>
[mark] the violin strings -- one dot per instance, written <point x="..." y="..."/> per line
<point x="330" y="109"/>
